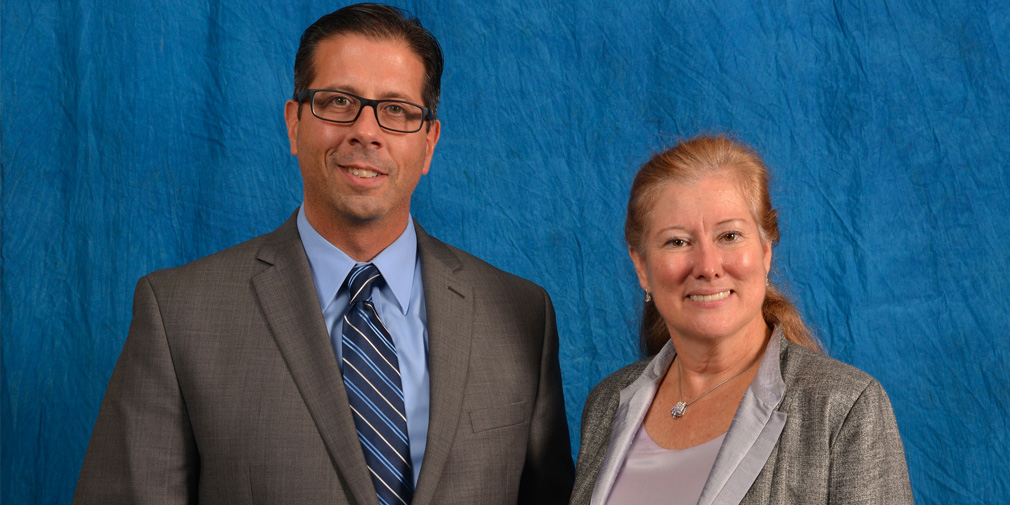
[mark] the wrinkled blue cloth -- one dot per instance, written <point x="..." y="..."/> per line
<point x="140" y="137"/>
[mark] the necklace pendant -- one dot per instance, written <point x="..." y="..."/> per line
<point x="678" y="410"/>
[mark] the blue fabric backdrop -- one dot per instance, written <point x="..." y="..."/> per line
<point x="136" y="137"/>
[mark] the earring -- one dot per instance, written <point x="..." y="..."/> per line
<point x="648" y="296"/>
<point x="768" y="281"/>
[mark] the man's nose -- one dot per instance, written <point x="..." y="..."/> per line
<point x="366" y="130"/>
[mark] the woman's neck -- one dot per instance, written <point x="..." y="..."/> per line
<point x="703" y="360"/>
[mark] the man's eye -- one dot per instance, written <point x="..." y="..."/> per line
<point x="340" y="101"/>
<point x="394" y="109"/>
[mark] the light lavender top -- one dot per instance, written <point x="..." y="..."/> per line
<point x="654" y="474"/>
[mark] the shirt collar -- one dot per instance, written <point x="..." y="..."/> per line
<point x="330" y="265"/>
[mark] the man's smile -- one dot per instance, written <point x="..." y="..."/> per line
<point x="365" y="173"/>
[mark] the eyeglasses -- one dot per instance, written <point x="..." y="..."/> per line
<point x="342" y="107"/>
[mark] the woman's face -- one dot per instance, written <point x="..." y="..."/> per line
<point x="704" y="260"/>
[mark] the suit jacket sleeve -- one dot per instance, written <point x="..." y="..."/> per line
<point x="548" y="472"/>
<point x="142" y="448"/>
<point x="867" y="459"/>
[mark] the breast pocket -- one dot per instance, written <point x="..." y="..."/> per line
<point x="502" y="416"/>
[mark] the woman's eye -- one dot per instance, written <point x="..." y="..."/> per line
<point x="677" y="242"/>
<point x="731" y="236"/>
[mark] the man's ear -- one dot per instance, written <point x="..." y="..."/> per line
<point x="431" y="139"/>
<point x="291" y="118"/>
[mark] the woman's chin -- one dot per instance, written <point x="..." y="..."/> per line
<point x="714" y="331"/>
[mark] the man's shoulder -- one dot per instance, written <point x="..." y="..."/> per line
<point x="470" y="267"/>
<point x="243" y="259"/>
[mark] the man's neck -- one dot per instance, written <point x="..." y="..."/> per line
<point x="362" y="241"/>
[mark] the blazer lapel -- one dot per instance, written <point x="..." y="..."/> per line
<point x="752" y="436"/>
<point x="631" y="409"/>
<point x="449" y="311"/>
<point x="287" y="296"/>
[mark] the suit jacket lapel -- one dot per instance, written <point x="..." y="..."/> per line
<point x="631" y="409"/>
<point x="752" y="436"/>
<point x="449" y="310"/>
<point x="287" y="296"/>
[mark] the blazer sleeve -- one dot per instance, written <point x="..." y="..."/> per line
<point x="548" y="471"/>
<point x="142" y="449"/>
<point x="867" y="457"/>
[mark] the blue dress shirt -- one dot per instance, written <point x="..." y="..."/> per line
<point x="400" y="304"/>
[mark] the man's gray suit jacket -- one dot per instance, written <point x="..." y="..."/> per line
<point x="809" y="430"/>
<point x="227" y="389"/>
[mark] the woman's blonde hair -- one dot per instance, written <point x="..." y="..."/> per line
<point x="688" y="161"/>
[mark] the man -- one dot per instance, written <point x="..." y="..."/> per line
<point x="346" y="357"/>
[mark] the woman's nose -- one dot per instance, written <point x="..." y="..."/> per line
<point x="707" y="262"/>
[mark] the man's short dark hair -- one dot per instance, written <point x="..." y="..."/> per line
<point x="377" y="21"/>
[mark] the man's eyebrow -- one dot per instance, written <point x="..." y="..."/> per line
<point x="390" y="95"/>
<point x="395" y="95"/>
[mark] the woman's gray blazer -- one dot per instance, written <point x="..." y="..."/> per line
<point x="809" y="429"/>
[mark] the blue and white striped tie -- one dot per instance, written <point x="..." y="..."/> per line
<point x="372" y="380"/>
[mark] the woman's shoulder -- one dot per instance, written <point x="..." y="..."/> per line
<point x="602" y="403"/>
<point x="620" y="379"/>
<point x="814" y="379"/>
<point x="820" y="370"/>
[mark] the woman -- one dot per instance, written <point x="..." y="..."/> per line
<point x="738" y="405"/>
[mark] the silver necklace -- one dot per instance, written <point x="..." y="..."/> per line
<point x="680" y="408"/>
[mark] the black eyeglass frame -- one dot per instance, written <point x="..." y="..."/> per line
<point x="363" y="102"/>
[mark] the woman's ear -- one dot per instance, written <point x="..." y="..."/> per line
<point x="643" y="274"/>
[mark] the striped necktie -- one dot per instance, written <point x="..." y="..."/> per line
<point x="372" y="380"/>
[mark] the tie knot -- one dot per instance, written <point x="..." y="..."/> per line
<point x="360" y="282"/>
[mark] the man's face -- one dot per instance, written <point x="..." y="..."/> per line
<point x="360" y="175"/>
